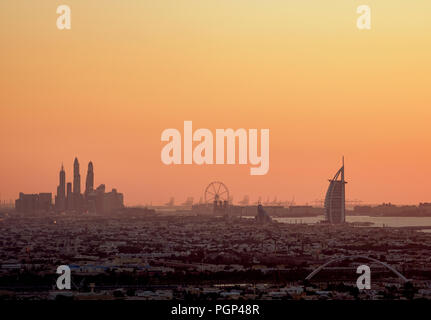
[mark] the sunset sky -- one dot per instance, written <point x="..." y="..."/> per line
<point x="106" y="89"/>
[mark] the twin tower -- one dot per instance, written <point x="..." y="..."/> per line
<point x="73" y="200"/>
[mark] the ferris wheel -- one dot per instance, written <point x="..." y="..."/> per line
<point x="216" y="191"/>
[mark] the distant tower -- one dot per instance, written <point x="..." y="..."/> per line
<point x="262" y="217"/>
<point x="335" y="200"/>
<point x="89" y="182"/>
<point x="76" y="178"/>
<point x="60" y="199"/>
<point x="69" y="196"/>
<point x="62" y="186"/>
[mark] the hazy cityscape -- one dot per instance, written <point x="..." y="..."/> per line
<point x="210" y="250"/>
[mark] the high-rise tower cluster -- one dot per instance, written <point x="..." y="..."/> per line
<point x="70" y="198"/>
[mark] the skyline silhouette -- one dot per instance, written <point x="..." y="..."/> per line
<point x="69" y="196"/>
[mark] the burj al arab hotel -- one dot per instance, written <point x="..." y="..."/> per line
<point x="335" y="200"/>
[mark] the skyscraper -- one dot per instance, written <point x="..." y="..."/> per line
<point x="60" y="199"/>
<point x="335" y="201"/>
<point x="76" y="178"/>
<point x="69" y="196"/>
<point x="89" y="182"/>
<point x="77" y="197"/>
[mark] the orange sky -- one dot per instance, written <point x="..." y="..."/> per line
<point x="105" y="90"/>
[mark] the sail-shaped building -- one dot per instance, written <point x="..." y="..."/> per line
<point x="335" y="200"/>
